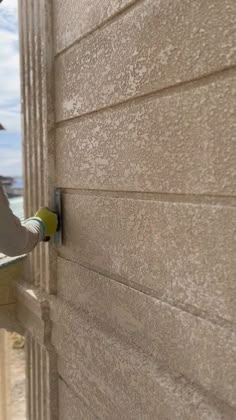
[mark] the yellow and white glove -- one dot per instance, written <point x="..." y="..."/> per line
<point x="48" y="221"/>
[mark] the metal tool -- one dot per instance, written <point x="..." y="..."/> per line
<point x="58" y="209"/>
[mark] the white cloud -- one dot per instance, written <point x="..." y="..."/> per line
<point x="11" y="5"/>
<point x="9" y="67"/>
<point x="8" y="9"/>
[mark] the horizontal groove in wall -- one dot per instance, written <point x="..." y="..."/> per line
<point x="185" y="253"/>
<point x="214" y="200"/>
<point x="10" y="304"/>
<point x="173" y="89"/>
<point x="106" y="22"/>
<point x="105" y="343"/>
<point x="194" y="311"/>
<point x="78" y="406"/>
<point x="179" y="381"/>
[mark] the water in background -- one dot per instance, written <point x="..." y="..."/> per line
<point x="16" y="203"/>
<point x="17" y="206"/>
<point x="18" y="182"/>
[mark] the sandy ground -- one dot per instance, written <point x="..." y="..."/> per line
<point x="18" y="405"/>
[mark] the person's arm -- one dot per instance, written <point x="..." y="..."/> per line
<point x="18" y="239"/>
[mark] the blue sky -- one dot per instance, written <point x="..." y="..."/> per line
<point x="10" y="140"/>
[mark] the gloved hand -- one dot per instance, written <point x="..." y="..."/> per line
<point x="49" y="220"/>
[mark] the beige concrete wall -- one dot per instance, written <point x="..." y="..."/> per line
<point x="145" y="118"/>
<point x="129" y="108"/>
<point x="5" y="412"/>
<point x="32" y="308"/>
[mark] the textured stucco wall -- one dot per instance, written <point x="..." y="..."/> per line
<point x="5" y="412"/>
<point x="143" y="323"/>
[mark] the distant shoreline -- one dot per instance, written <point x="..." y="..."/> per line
<point x="14" y="195"/>
<point x="13" y="186"/>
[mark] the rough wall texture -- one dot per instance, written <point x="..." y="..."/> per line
<point x="144" y="319"/>
<point x="32" y="309"/>
<point x="5" y="413"/>
<point x="142" y="297"/>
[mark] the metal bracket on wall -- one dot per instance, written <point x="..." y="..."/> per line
<point x="58" y="210"/>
